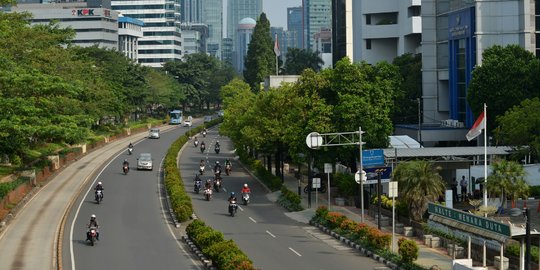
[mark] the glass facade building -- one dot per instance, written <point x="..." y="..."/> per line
<point x="238" y="10"/>
<point x="213" y="17"/>
<point x="316" y="17"/>
<point x="294" y="27"/>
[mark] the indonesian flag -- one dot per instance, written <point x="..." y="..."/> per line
<point x="476" y="129"/>
<point x="276" y="47"/>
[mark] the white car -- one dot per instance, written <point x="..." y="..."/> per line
<point x="144" y="162"/>
<point x="188" y="123"/>
<point x="153" y="133"/>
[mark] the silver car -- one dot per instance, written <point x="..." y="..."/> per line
<point x="153" y="133"/>
<point x="144" y="162"/>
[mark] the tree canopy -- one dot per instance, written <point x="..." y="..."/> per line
<point x="406" y="101"/>
<point x="260" y="59"/>
<point x="299" y="59"/>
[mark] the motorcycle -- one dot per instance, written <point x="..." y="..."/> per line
<point x="322" y="189"/>
<point x="196" y="143"/>
<point x="130" y="150"/>
<point x="216" y="149"/>
<point x="91" y="235"/>
<point x="232" y="208"/>
<point x="217" y="184"/>
<point x="197" y="186"/>
<point x="125" y="168"/>
<point x="202" y="148"/>
<point x="99" y="196"/>
<point x="228" y="169"/>
<point x="245" y="198"/>
<point x="204" y="134"/>
<point x="208" y="194"/>
<point x="201" y="170"/>
<point x="217" y="173"/>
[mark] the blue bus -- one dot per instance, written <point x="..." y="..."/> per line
<point x="175" y="117"/>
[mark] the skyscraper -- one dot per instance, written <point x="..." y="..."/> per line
<point x="294" y="27"/>
<point x="238" y="10"/>
<point x="162" y="40"/>
<point x="244" y="33"/>
<point x="213" y="17"/>
<point x="317" y="16"/>
<point x="191" y="11"/>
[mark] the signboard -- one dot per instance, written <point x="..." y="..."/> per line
<point x="327" y="167"/>
<point x="374" y="157"/>
<point x="371" y="173"/>
<point x="314" y="140"/>
<point x="469" y="219"/>
<point x="393" y="189"/>
<point x="316" y="183"/>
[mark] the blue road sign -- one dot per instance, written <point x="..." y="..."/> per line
<point x="374" y="157"/>
<point x="371" y="173"/>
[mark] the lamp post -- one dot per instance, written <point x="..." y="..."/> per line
<point x="360" y="177"/>
<point x="525" y="212"/>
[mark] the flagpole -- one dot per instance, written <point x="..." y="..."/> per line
<point x="485" y="156"/>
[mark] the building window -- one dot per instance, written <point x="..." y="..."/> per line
<point x="368" y="19"/>
<point x="414" y="11"/>
<point x="368" y="44"/>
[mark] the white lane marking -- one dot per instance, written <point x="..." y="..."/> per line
<point x="240" y="207"/>
<point x="164" y="213"/>
<point x="254" y="221"/>
<point x="299" y="255"/>
<point x="270" y="234"/>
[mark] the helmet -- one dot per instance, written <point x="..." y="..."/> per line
<point x="232" y="194"/>
<point x="245" y="185"/>
<point x="125" y="160"/>
<point x="93" y="216"/>
<point x="217" y="162"/>
<point x="99" y="183"/>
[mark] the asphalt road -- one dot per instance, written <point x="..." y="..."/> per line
<point x="136" y="231"/>
<point x="261" y="229"/>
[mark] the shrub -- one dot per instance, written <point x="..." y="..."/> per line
<point x="290" y="200"/>
<point x="5" y="188"/>
<point x="346" y="184"/>
<point x="378" y="239"/>
<point x="360" y="231"/>
<point x="194" y="226"/>
<point x="334" y="219"/>
<point x="209" y="237"/>
<point x="408" y="250"/>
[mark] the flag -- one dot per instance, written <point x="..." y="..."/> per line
<point x="476" y="129"/>
<point x="276" y="47"/>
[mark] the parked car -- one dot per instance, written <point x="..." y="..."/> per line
<point x="144" y="162"/>
<point x="208" y="118"/>
<point x="153" y="133"/>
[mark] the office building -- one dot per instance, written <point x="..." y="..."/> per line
<point x="213" y="18"/>
<point x="192" y="11"/>
<point x="93" y="26"/>
<point x="129" y="32"/>
<point x="317" y="15"/>
<point x="238" y="10"/>
<point x="244" y="33"/>
<point x="454" y="35"/>
<point x="322" y="44"/>
<point x="294" y="27"/>
<point x="226" y="51"/>
<point x="162" y="38"/>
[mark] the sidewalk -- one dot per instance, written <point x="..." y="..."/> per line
<point x="427" y="256"/>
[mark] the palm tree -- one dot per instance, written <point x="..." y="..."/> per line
<point x="507" y="180"/>
<point x="419" y="183"/>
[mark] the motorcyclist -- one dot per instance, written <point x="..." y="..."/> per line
<point x="203" y="146"/>
<point x="217" y="167"/>
<point x="208" y="184"/>
<point x="232" y="197"/>
<point x="196" y="142"/>
<point x="228" y="164"/>
<point x="217" y="144"/>
<point x="125" y="163"/>
<point x="130" y="145"/>
<point x="245" y="189"/>
<point x="93" y="223"/>
<point x="99" y="186"/>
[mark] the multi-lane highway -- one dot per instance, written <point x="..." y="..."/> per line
<point x="261" y="229"/>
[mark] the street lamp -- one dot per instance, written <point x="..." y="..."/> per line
<point x="525" y="212"/>
<point x="360" y="177"/>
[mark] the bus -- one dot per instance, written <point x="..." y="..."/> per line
<point x="175" y="117"/>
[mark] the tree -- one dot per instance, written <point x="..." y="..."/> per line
<point x="299" y="59"/>
<point x="507" y="180"/>
<point x="419" y="183"/>
<point x="495" y="83"/>
<point x="520" y="127"/>
<point x="260" y="59"/>
<point x="406" y="101"/>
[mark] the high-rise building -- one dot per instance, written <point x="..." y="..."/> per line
<point x="213" y="17"/>
<point x="226" y="51"/>
<point x="162" y="40"/>
<point x="129" y="32"/>
<point x="294" y="27"/>
<point x="192" y="11"/>
<point x="238" y="10"/>
<point x="244" y="33"/>
<point x="317" y="15"/>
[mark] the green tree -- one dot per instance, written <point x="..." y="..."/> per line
<point x="520" y="127"/>
<point x="507" y="181"/>
<point x="299" y="59"/>
<point x="419" y="183"/>
<point x="406" y="101"/>
<point x="495" y="83"/>
<point x="260" y="59"/>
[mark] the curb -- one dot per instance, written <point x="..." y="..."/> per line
<point x="206" y="262"/>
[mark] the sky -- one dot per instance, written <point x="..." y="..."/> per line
<point x="276" y="11"/>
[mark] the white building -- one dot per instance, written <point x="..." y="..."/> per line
<point x="129" y="32"/>
<point x="93" y="26"/>
<point x="243" y="36"/>
<point x="386" y="29"/>
<point x="162" y="40"/>
<point x="322" y="44"/>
